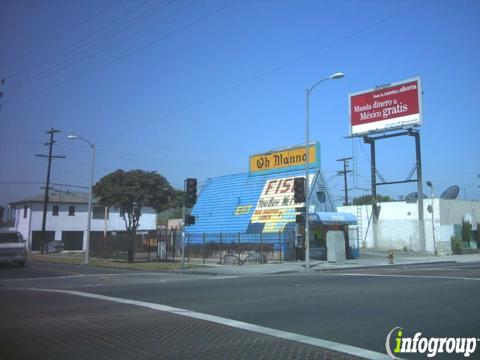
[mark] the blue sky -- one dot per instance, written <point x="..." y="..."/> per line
<point x="193" y="88"/>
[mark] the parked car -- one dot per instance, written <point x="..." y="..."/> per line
<point x="13" y="248"/>
<point x="54" y="246"/>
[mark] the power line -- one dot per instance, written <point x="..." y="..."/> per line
<point x="128" y="54"/>
<point x="261" y="75"/>
<point x="13" y="182"/>
<point x="80" y="54"/>
<point x="230" y="88"/>
<point x="73" y="45"/>
<point x="60" y="35"/>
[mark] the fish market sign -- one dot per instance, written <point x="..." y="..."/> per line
<point x="276" y="205"/>
<point x="288" y="159"/>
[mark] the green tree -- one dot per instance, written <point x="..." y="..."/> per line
<point x="130" y="191"/>
<point x="176" y="199"/>
<point x="367" y="199"/>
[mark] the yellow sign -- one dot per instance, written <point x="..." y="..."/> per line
<point x="243" y="209"/>
<point x="283" y="159"/>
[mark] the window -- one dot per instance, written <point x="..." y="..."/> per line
<point x="25" y="211"/>
<point x="321" y="196"/>
<point x="55" y="210"/>
<point x="71" y="211"/>
<point x="99" y="212"/>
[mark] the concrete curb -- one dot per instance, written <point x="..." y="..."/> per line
<point x="390" y="266"/>
<point x="303" y="270"/>
<point x="318" y="268"/>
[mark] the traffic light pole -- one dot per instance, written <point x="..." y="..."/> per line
<point x="189" y="198"/>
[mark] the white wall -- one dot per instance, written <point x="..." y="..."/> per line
<point x="398" y="225"/>
<point x="78" y="222"/>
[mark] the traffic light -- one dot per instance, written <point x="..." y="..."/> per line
<point x="190" y="192"/>
<point x="300" y="219"/>
<point x="189" y="220"/>
<point x="299" y="189"/>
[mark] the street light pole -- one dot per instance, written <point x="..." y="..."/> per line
<point x="307" y="159"/>
<point x="89" y="221"/>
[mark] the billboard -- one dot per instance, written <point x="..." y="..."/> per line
<point x="391" y="107"/>
<point x="293" y="158"/>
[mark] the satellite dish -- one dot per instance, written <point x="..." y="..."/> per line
<point x="412" y="197"/>
<point x="451" y="193"/>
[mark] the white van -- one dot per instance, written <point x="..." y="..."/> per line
<point x="13" y="249"/>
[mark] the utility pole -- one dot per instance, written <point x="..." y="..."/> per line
<point x="344" y="173"/>
<point x="52" y="131"/>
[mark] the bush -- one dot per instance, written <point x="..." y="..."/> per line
<point x="457" y="244"/>
<point x="466" y="231"/>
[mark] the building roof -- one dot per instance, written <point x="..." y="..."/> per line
<point x="70" y="197"/>
<point x="244" y="203"/>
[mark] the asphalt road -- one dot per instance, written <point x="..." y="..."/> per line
<point x="352" y="307"/>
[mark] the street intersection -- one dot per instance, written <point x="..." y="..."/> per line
<point x="55" y="311"/>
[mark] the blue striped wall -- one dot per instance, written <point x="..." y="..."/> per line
<point x="220" y="197"/>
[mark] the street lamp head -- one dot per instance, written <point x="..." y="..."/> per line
<point x="336" y="76"/>
<point x="72" y="137"/>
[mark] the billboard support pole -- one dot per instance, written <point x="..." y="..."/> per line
<point x="421" y="219"/>
<point x="375" y="208"/>
<point x="373" y="175"/>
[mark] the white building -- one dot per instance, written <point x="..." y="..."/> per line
<point x="398" y="223"/>
<point x="67" y="219"/>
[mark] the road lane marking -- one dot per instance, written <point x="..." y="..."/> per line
<point x="35" y="267"/>
<point x="79" y="276"/>
<point x="441" y="269"/>
<point x="403" y="276"/>
<point x="86" y="285"/>
<point x="222" y="277"/>
<point x="44" y="278"/>
<point x="326" y="344"/>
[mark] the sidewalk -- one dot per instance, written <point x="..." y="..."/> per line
<point x="369" y="258"/>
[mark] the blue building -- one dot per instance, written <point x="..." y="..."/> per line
<point x="258" y="207"/>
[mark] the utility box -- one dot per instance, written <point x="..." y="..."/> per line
<point x="336" y="247"/>
<point x="162" y="250"/>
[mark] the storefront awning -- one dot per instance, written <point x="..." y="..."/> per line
<point x="332" y="218"/>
